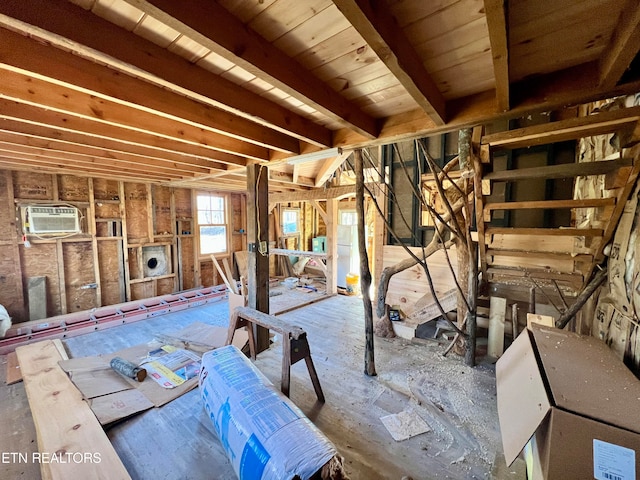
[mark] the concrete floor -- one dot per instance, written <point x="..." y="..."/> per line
<point x="177" y="441"/>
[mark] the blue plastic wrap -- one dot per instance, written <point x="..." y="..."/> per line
<point x="265" y="435"/>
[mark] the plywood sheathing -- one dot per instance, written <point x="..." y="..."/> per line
<point x="111" y="271"/>
<point x="136" y="206"/>
<point x="162" y="210"/>
<point x="79" y="276"/>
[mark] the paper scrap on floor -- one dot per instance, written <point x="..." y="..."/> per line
<point x="405" y="424"/>
<point x="169" y="366"/>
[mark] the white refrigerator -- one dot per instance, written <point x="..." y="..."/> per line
<point x="348" y="258"/>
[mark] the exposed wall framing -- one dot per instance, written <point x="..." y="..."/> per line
<point x="123" y="225"/>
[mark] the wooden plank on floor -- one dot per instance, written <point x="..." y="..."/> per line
<point x="14" y="374"/>
<point x="65" y="425"/>
<point x="497" y="312"/>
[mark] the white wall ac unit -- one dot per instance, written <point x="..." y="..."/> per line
<point x="56" y="219"/>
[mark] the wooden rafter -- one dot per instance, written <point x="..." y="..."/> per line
<point x="229" y="38"/>
<point x="497" y="25"/>
<point x="97" y="39"/>
<point x="41" y="136"/>
<point x="49" y="62"/>
<point x="328" y="168"/>
<point x="375" y="22"/>
<point x="36" y="91"/>
<point x="623" y="46"/>
<point x="32" y="115"/>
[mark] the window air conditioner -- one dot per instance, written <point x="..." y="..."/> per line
<point x="41" y="219"/>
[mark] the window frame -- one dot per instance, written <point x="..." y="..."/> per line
<point x="225" y="224"/>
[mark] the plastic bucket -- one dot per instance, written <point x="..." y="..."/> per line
<point x="352" y="283"/>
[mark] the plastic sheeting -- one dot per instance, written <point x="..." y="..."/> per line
<point x="265" y="435"/>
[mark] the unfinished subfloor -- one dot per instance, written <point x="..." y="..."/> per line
<point x="178" y="441"/>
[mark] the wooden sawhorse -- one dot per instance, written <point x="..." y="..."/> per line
<point x="294" y="343"/>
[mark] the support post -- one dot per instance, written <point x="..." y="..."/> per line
<point x="258" y="238"/>
<point x="365" y="273"/>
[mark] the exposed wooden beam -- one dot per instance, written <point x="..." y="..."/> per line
<point x="75" y="72"/>
<point x="228" y="37"/>
<point x="562" y="232"/>
<point x="34" y="115"/>
<point x="278" y="176"/>
<point x="497" y="24"/>
<point x="623" y="46"/>
<point x="565" y="170"/>
<point x="548" y="92"/>
<point x="97" y="39"/>
<point x="329" y="166"/>
<point x="66" y="158"/>
<point x="320" y="209"/>
<point x="571" y="129"/>
<point x="32" y="163"/>
<point x="315" y="194"/>
<point x="41" y="135"/>
<point x="35" y="91"/>
<point x="577" y="203"/>
<point x="64" y="150"/>
<point x="375" y="22"/>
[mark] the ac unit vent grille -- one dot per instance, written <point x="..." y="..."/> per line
<point x="53" y="220"/>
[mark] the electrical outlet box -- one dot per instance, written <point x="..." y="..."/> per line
<point x="263" y="248"/>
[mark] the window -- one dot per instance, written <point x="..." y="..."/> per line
<point x="212" y="223"/>
<point x="290" y="221"/>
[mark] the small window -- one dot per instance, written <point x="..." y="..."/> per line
<point x="290" y="221"/>
<point x="212" y="223"/>
<point x="348" y="217"/>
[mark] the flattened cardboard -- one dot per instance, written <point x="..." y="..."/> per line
<point x="116" y="406"/>
<point x="522" y="399"/>
<point x="200" y="337"/>
<point x="154" y="392"/>
<point x="99" y="382"/>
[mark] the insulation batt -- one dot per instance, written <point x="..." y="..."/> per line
<point x="5" y="321"/>
<point x="265" y="435"/>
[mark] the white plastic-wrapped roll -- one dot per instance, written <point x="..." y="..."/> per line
<point x="265" y="435"/>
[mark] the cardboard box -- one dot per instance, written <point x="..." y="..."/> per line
<point x="572" y="403"/>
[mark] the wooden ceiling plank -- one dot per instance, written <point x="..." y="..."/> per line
<point x="40" y="116"/>
<point x="547" y="93"/>
<point x="50" y="62"/>
<point x="64" y="148"/>
<point x="24" y="88"/>
<point x="497" y="24"/>
<point x="228" y="37"/>
<point x="329" y="167"/>
<point x="43" y="133"/>
<point x="379" y="28"/>
<point x="95" y="38"/>
<point x="570" y="129"/>
<point x="623" y="46"/>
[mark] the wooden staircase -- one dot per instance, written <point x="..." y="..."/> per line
<point x="563" y="256"/>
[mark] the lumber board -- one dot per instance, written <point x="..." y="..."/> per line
<point x="554" y="232"/>
<point x="563" y="130"/>
<point x="560" y="171"/>
<point x="497" y="312"/>
<point x="65" y="425"/>
<point x="575" y="203"/>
